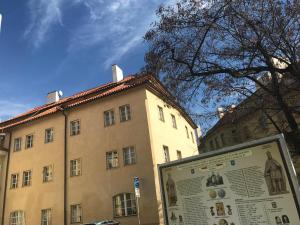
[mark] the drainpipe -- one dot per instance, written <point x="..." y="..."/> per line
<point x="6" y="178"/>
<point x="65" y="163"/>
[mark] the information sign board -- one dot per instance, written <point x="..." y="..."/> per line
<point x="252" y="183"/>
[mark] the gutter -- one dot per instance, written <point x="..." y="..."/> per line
<point x="6" y="178"/>
<point x="65" y="162"/>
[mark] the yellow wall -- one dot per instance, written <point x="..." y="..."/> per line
<point x="39" y="195"/>
<point x="97" y="185"/>
<point x="163" y="133"/>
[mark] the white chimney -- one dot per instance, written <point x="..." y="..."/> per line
<point x="54" y="96"/>
<point x="220" y="112"/>
<point x="0" y="21"/>
<point x="117" y="73"/>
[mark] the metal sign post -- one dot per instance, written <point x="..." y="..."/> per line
<point x="136" y="182"/>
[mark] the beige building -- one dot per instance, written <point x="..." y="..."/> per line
<point x="73" y="160"/>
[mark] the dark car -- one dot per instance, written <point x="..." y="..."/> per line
<point x="106" y="222"/>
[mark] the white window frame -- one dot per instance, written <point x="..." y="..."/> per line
<point x="76" y="213"/>
<point x="174" y="123"/>
<point x="29" y="141"/>
<point x="125" y="113"/>
<point x="46" y="217"/>
<point x="166" y="153"/>
<point x="27" y="175"/>
<point x="109" y="118"/>
<point x="49" y="135"/>
<point x="74" y="127"/>
<point x="124" y="205"/>
<point x="47" y="173"/>
<point x="75" y="167"/>
<point x="112" y="159"/>
<point x="161" y="115"/>
<point x="17" y="218"/>
<point x="17" y="144"/>
<point x="129" y="155"/>
<point x="14" y="180"/>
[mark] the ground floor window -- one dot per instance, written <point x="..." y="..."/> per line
<point x="46" y="217"/>
<point x="76" y="213"/>
<point x="17" y="218"/>
<point x="124" y="205"/>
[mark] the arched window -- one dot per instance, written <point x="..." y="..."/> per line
<point x="124" y="205"/>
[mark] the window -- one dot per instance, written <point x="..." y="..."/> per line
<point x="17" y="144"/>
<point x="211" y="145"/>
<point x="129" y="155"/>
<point x="46" y="217"/>
<point x="161" y="113"/>
<point x="75" y="127"/>
<point x="17" y="218"/>
<point x="223" y="140"/>
<point x="49" y="135"/>
<point x="47" y="174"/>
<point x="192" y="137"/>
<point x="76" y="213"/>
<point x="247" y="133"/>
<point x="263" y="122"/>
<point x="112" y="159"/>
<point x="125" y="113"/>
<point x="14" y="181"/>
<point x="179" y="155"/>
<point x="187" y="132"/>
<point x="217" y="142"/>
<point x="26" y="178"/>
<point x="29" y="141"/>
<point x="75" y="167"/>
<point x="166" y="153"/>
<point x="235" y="136"/>
<point x="124" y="205"/>
<point x="174" y="121"/>
<point x="109" y="118"/>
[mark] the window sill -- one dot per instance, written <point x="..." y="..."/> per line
<point x="131" y="164"/>
<point x="112" y="168"/>
<point x="125" y="121"/>
<point x="125" y="216"/>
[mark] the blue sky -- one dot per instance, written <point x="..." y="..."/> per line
<point x="67" y="45"/>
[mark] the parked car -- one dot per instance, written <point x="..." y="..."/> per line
<point x="106" y="222"/>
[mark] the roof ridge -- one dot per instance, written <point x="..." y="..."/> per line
<point x="46" y="106"/>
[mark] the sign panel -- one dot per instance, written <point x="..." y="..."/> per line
<point x="244" y="185"/>
<point x="136" y="182"/>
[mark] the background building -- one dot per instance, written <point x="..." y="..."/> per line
<point x="249" y="121"/>
<point x="73" y="160"/>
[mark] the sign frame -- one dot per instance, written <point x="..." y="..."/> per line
<point x="283" y="150"/>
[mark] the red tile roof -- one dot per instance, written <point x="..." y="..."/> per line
<point x="92" y="94"/>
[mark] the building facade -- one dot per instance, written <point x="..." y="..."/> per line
<point x="73" y="160"/>
<point x="245" y="122"/>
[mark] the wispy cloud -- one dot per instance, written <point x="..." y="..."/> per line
<point x="115" y="27"/>
<point x="9" y="109"/>
<point x="44" y="14"/>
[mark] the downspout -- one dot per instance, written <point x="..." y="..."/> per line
<point x="65" y="163"/>
<point x="6" y="178"/>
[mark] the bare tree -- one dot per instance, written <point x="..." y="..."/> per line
<point x="220" y="49"/>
